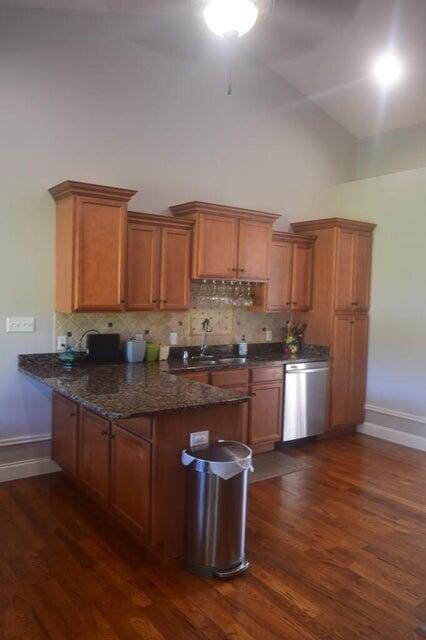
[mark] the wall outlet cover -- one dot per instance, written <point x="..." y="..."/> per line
<point x="61" y="342"/>
<point x="198" y="438"/>
<point x="268" y="336"/>
<point x="173" y="338"/>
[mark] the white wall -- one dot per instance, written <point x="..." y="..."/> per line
<point x="110" y="99"/>
<point x="392" y="152"/>
<point x="397" y="350"/>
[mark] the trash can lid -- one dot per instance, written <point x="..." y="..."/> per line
<point x="222" y="451"/>
<point x="225" y="458"/>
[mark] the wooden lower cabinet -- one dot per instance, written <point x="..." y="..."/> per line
<point x="265" y="412"/>
<point x="93" y="453"/>
<point x="64" y="433"/>
<point x="349" y="370"/>
<point x="131" y="478"/>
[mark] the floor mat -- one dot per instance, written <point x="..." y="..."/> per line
<point x="273" y="464"/>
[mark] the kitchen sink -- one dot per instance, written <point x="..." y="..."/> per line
<point x="231" y="361"/>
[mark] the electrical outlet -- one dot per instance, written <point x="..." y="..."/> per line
<point x="20" y="325"/>
<point x="61" y="341"/>
<point x="268" y="336"/>
<point x="198" y="438"/>
<point x="173" y="338"/>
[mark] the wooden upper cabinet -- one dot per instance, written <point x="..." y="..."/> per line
<point x="229" y="243"/>
<point x="345" y="269"/>
<point x="175" y="269"/>
<point x="362" y="271"/>
<point x="143" y="266"/>
<point x="254" y="250"/>
<point x="91" y="223"/>
<point x="158" y="263"/>
<point x="353" y="270"/>
<point x="278" y="289"/>
<point x="216" y="248"/>
<point x="290" y="286"/>
<point x="301" y="281"/>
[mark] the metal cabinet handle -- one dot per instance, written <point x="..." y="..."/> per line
<point x="242" y="270"/>
<point x="253" y="395"/>
<point x="72" y="415"/>
<point x="233" y="269"/>
<point x="111" y="437"/>
<point x="104" y="433"/>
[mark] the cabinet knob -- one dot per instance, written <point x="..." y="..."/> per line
<point x="234" y="269"/>
<point x="253" y="395"/>
<point x="154" y="301"/>
<point x="72" y="415"/>
<point x="163" y="301"/>
<point x="294" y="302"/>
<point x="111" y="437"/>
<point x="242" y="270"/>
<point x="123" y="302"/>
<point x="104" y="433"/>
<point x="355" y="304"/>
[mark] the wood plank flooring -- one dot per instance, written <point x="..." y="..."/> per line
<point x="338" y="552"/>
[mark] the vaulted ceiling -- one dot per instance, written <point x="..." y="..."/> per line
<point x="324" y="48"/>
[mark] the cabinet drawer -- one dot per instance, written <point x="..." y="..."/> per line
<point x="231" y="377"/>
<point x="140" y="426"/>
<point x="266" y="374"/>
<point x="197" y="376"/>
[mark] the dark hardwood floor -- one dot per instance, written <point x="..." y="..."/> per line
<point x="338" y="551"/>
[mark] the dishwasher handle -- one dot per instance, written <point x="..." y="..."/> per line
<point x="306" y="370"/>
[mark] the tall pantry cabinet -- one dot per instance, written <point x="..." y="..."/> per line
<point x="339" y="314"/>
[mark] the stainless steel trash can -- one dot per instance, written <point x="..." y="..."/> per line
<point x="216" y="503"/>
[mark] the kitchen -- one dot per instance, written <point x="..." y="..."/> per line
<point x="260" y="302"/>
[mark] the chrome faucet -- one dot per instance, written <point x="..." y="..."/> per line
<point x="205" y="329"/>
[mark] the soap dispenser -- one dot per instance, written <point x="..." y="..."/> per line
<point x="243" y="348"/>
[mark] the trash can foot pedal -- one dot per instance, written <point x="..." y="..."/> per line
<point x="227" y="574"/>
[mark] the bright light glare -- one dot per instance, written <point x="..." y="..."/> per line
<point x="387" y="69"/>
<point x="227" y="16"/>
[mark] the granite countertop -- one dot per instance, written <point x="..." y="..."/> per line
<point x="258" y="356"/>
<point x="119" y="391"/>
<point x="122" y="390"/>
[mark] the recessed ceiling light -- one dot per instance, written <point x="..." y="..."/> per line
<point x="230" y="16"/>
<point x="388" y="69"/>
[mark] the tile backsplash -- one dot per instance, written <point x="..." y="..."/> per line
<point x="228" y="325"/>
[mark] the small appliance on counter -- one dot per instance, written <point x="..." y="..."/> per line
<point x="135" y="350"/>
<point x="103" y="347"/>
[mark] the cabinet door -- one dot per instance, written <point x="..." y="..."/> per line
<point x="143" y="266"/>
<point x="100" y="255"/>
<point x="93" y="453"/>
<point x="301" y="288"/>
<point x="131" y="478"/>
<point x="362" y="272"/>
<point x="64" y="433"/>
<point x="345" y="269"/>
<point x="265" y="412"/>
<point x="358" y="375"/>
<point x="175" y="269"/>
<point x="216" y="247"/>
<point x="278" y="294"/>
<point x="341" y="370"/>
<point x="254" y="250"/>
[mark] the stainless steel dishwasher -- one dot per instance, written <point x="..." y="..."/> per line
<point x="304" y="400"/>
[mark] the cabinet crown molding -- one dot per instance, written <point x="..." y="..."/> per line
<point x="86" y="189"/>
<point x="158" y="220"/>
<point x="285" y="236"/>
<point x="195" y="207"/>
<point x="330" y="223"/>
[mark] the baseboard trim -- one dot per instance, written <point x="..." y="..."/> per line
<point x="393" y="435"/>
<point x="396" y="414"/>
<point x="10" y="442"/>
<point x="27" y="469"/>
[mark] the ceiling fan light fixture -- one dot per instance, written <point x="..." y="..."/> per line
<point x="230" y="16"/>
